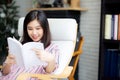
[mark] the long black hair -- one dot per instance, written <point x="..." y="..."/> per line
<point x="40" y="16"/>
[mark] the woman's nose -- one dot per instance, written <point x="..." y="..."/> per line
<point x="34" y="32"/>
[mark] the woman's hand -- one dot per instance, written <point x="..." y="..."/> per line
<point x="10" y="59"/>
<point x="43" y="55"/>
<point x="49" y="58"/>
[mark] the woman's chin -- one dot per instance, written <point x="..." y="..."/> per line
<point x="36" y="40"/>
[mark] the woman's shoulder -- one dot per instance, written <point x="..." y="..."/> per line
<point x="52" y="46"/>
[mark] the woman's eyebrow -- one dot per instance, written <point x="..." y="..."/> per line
<point x="29" y="27"/>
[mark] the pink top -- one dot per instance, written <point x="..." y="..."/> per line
<point x="16" y="70"/>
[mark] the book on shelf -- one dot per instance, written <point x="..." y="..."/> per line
<point x="108" y="22"/>
<point x="112" y="26"/>
<point x="107" y="56"/>
<point x="112" y="63"/>
<point x="119" y="27"/>
<point x="119" y="65"/>
<point x="24" y="54"/>
<point x="115" y="37"/>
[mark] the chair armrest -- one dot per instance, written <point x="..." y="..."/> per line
<point x="64" y="74"/>
<point x="77" y="53"/>
<point x="24" y="76"/>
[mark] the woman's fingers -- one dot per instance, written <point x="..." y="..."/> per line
<point x="11" y="56"/>
<point x="37" y="51"/>
<point x="10" y="59"/>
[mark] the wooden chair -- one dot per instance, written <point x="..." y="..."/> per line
<point x="64" y="33"/>
<point x="76" y="56"/>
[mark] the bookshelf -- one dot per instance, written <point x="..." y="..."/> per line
<point x="109" y="52"/>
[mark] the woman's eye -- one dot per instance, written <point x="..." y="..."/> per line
<point x="29" y="29"/>
<point x="38" y="28"/>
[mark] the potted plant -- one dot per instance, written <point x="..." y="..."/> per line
<point x="8" y="25"/>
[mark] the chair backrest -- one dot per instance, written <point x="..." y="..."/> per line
<point x="61" y="28"/>
<point x="64" y="32"/>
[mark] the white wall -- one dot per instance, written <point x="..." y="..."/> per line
<point x="25" y="6"/>
<point x="90" y="28"/>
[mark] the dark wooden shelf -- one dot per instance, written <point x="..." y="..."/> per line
<point x="112" y="1"/>
<point x="111" y="41"/>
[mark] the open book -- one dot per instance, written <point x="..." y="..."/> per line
<point x="24" y="53"/>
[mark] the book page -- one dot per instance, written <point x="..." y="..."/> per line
<point x="15" y="48"/>
<point x="24" y="54"/>
<point x="30" y="58"/>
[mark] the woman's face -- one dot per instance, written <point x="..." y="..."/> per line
<point x="35" y="31"/>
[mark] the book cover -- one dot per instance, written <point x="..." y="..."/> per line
<point x="24" y="53"/>
<point x="108" y="23"/>
<point x="107" y="57"/>
<point x="113" y="63"/>
<point x="119" y="27"/>
<point x="112" y="26"/>
<point x="119" y="64"/>
<point x="115" y="27"/>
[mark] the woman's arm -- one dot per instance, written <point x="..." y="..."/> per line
<point x="47" y="57"/>
<point x="6" y="68"/>
<point x="8" y="63"/>
<point x="51" y="65"/>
